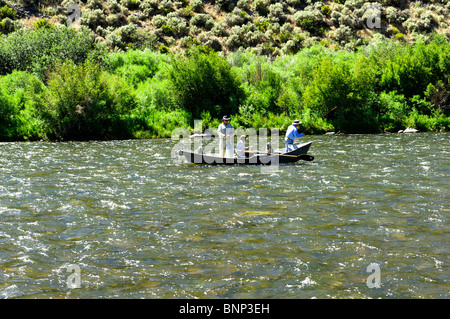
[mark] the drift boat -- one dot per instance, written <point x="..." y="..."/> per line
<point x="255" y="158"/>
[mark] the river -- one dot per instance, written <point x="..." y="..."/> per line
<point x="368" y="218"/>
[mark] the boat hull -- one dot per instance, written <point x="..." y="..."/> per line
<point x="253" y="159"/>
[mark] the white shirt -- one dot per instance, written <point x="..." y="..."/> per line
<point x="224" y="130"/>
<point x="240" y="148"/>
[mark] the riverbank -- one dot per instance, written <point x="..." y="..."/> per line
<point x="58" y="84"/>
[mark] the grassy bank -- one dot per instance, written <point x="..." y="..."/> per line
<point x="60" y="84"/>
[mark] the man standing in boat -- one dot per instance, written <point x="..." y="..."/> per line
<point x="226" y="134"/>
<point x="291" y="134"/>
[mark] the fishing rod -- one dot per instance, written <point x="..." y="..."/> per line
<point x="321" y="117"/>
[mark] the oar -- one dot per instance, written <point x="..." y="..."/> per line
<point x="304" y="157"/>
<point x="272" y="154"/>
<point x="283" y="155"/>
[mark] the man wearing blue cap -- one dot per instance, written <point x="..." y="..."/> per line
<point x="291" y="134"/>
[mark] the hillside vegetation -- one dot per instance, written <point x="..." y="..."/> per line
<point x="140" y="69"/>
<point x="263" y="26"/>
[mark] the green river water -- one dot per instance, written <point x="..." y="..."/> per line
<point x="139" y="225"/>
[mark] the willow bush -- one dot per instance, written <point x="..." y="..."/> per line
<point x="134" y="66"/>
<point x="204" y="82"/>
<point x="85" y="103"/>
<point x="21" y="99"/>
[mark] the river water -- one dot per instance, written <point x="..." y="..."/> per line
<point x="135" y="224"/>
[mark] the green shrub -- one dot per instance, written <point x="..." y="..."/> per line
<point x="309" y="21"/>
<point x="133" y="66"/>
<point x="94" y="4"/>
<point x="93" y="18"/>
<point x="186" y="12"/>
<point x="161" y="124"/>
<point x="294" y="3"/>
<point x="7" y="121"/>
<point x="204" y="82"/>
<point x="400" y="36"/>
<point x="87" y="103"/>
<point x="156" y="114"/>
<point x="34" y="50"/>
<point x="113" y="6"/>
<point x="391" y="14"/>
<point x="42" y="24"/>
<point x="262" y="6"/>
<point x="436" y="122"/>
<point x="406" y="73"/>
<point x="243" y="4"/>
<point x="177" y="25"/>
<point x="233" y="19"/>
<point x="345" y="20"/>
<point x="197" y="5"/>
<point x="346" y="86"/>
<point x="202" y="20"/>
<point x="325" y="10"/>
<point x="288" y="101"/>
<point x="158" y="21"/>
<point x="439" y="96"/>
<point x="393" y="109"/>
<point x="342" y="34"/>
<point x="7" y="26"/>
<point x="262" y="84"/>
<point x="127" y="32"/>
<point x="224" y="5"/>
<point x="315" y="123"/>
<point x="7" y="12"/>
<point x="165" y="6"/>
<point x="335" y="16"/>
<point x="219" y="29"/>
<point x="7" y="15"/>
<point x="116" y="20"/>
<point x="276" y="13"/>
<point x="155" y="94"/>
<point x="130" y="4"/>
<point x="311" y="25"/>
<point x="262" y="25"/>
<point x="164" y="49"/>
<point x="21" y="98"/>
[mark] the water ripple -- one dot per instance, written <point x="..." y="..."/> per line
<point x="140" y="226"/>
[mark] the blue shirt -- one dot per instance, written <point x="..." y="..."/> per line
<point x="292" y="132"/>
